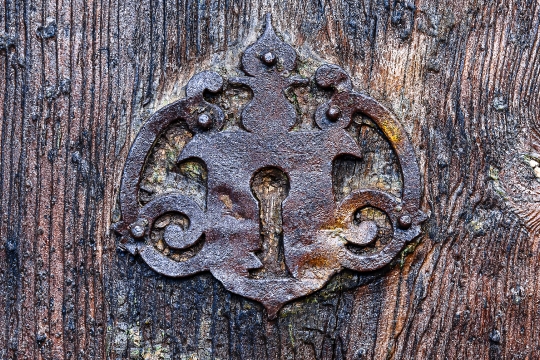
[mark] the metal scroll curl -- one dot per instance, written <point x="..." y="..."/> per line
<point x="316" y="227"/>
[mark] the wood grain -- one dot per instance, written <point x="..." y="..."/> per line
<point x="79" y="79"/>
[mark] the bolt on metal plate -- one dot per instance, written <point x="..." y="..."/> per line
<point x="316" y="227"/>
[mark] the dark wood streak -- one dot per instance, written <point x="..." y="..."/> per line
<point x="461" y="76"/>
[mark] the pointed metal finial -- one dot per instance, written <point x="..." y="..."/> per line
<point x="267" y="52"/>
<point x="268" y="18"/>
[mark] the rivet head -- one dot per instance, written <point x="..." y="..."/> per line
<point x="269" y="58"/>
<point x="404" y="221"/>
<point x="204" y="121"/>
<point x="333" y="113"/>
<point x="137" y="230"/>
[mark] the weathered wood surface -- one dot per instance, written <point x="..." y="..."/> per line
<point x="80" y="77"/>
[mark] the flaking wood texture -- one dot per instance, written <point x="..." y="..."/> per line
<point x="79" y="79"/>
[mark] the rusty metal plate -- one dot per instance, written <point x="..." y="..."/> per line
<point x="316" y="227"/>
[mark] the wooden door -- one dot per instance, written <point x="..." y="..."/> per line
<point x="80" y="78"/>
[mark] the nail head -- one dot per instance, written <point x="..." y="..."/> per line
<point x="269" y="58"/>
<point x="404" y="221"/>
<point x="333" y="113"/>
<point x="204" y="121"/>
<point x="137" y="230"/>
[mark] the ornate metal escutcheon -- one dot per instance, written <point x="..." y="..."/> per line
<point x="316" y="226"/>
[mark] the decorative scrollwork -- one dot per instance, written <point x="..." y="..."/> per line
<point x="316" y="227"/>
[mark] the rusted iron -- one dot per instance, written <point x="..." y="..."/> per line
<point x="316" y="227"/>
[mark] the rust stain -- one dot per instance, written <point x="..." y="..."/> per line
<point x="226" y="200"/>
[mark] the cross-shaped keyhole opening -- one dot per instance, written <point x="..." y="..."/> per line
<point x="270" y="186"/>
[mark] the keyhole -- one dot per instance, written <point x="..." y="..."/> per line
<point x="271" y="186"/>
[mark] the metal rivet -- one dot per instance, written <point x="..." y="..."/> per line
<point x="269" y="58"/>
<point x="204" y="121"/>
<point x="333" y="113"/>
<point x="404" y="221"/>
<point x="137" y="230"/>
